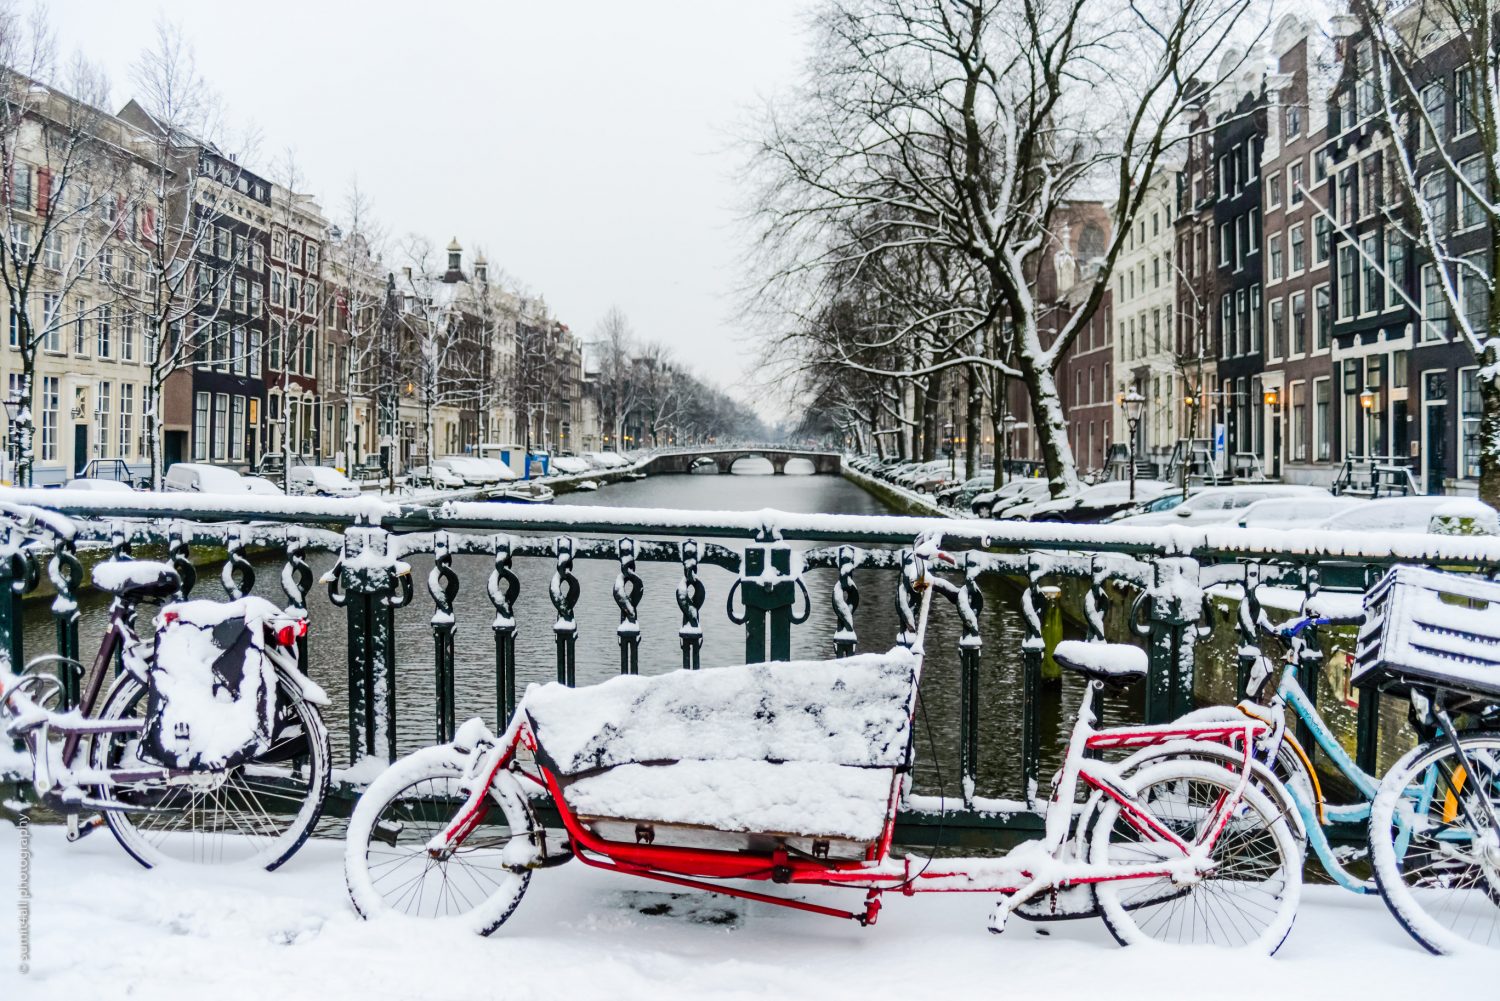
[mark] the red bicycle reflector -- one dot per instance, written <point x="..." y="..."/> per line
<point x="168" y="618"/>
<point x="291" y="632"/>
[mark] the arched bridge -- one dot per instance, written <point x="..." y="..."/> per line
<point x="684" y="460"/>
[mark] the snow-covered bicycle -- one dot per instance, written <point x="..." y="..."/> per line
<point x="207" y="746"/>
<point x="791" y="773"/>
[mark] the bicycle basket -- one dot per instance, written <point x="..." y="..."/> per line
<point x="1427" y="629"/>
<point x="212" y="694"/>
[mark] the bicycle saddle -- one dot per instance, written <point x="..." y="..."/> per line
<point x="1115" y="664"/>
<point x="137" y="580"/>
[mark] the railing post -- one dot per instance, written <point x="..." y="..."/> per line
<point x="769" y="591"/>
<point x="18" y="575"/>
<point x="845" y="603"/>
<point x="369" y="581"/>
<point x="1032" y="648"/>
<point x="296" y="582"/>
<point x="503" y="589"/>
<point x="1176" y="602"/>
<point x="1310" y="665"/>
<point x="627" y="593"/>
<point x="67" y="576"/>
<point x="690" y="596"/>
<point x="564" y="594"/>
<point x="442" y="584"/>
<point x="970" y="604"/>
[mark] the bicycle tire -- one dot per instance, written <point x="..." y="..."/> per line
<point x="273" y="791"/>
<point x="390" y="813"/>
<point x="1426" y="882"/>
<point x="1260" y="853"/>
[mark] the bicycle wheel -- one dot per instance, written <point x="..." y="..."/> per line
<point x="1247" y="900"/>
<point x="260" y="813"/>
<point x="386" y="863"/>
<point x="1435" y="849"/>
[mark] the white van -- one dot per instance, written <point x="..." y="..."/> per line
<point x="202" y="478"/>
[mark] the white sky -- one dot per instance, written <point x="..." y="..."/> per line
<point x="586" y="146"/>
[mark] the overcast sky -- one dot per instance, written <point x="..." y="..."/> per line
<point x="584" y="145"/>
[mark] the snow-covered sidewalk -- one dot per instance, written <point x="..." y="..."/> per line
<point x="101" y="927"/>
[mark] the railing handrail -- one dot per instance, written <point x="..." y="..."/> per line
<point x="769" y="524"/>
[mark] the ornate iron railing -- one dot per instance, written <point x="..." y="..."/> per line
<point x="1159" y="582"/>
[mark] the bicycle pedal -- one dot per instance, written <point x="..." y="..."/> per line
<point x="553" y="861"/>
<point x="77" y="831"/>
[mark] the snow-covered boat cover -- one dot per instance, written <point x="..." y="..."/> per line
<point x="855" y="711"/>
<point x="799" y="747"/>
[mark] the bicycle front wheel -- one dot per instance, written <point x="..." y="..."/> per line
<point x="1436" y="847"/>
<point x="259" y="814"/>
<point x="1248" y="899"/>
<point x="389" y="869"/>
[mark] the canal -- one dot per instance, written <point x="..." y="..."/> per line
<point x="750" y="487"/>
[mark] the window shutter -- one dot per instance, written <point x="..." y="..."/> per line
<point x="43" y="190"/>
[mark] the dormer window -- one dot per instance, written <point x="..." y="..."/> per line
<point x="453" y="259"/>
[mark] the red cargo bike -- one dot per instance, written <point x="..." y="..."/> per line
<point x="792" y="774"/>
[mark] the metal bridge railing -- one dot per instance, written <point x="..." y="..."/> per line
<point x="1167" y="577"/>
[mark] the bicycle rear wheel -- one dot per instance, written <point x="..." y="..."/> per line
<point x="1435" y="848"/>
<point x="1247" y="900"/>
<point x="260" y="814"/>
<point x="388" y="868"/>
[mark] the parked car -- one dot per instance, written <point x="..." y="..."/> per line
<point x="959" y="494"/>
<point x="1221" y="504"/>
<point x="606" y="460"/>
<point x="261" y="486"/>
<point x="101" y="486"/>
<point x="991" y="503"/>
<point x="319" y="481"/>
<point x="933" y="480"/>
<point x="1092" y="504"/>
<point x="202" y="478"/>
<point x="1165" y="502"/>
<point x="1437" y="515"/>
<point x="1293" y="512"/>
<point x="436" y="475"/>
<point x="570" y="465"/>
<point x="472" y="472"/>
<point x="497" y="471"/>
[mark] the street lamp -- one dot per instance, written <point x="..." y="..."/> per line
<point x="1132" y="403"/>
<point x="1010" y="423"/>
<point x="14" y="404"/>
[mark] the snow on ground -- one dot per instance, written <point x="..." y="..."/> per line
<point x="102" y="927"/>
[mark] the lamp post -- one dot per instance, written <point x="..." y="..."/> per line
<point x="1132" y="403"/>
<point x="14" y="404"/>
<point x="1191" y="402"/>
<point x="1010" y="426"/>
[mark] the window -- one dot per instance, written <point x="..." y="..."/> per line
<point x="1299" y="323"/>
<point x="200" y="426"/>
<point x="1365" y="84"/>
<point x="255" y="298"/>
<point x="1348" y="196"/>
<point x="1278" y="329"/>
<point x="293" y="292"/>
<point x="1298" y="248"/>
<point x="1254" y="325"/>
<point x="52" y="322"/>
<point x="274" y="362"/>
<point x="1347" y="282"/>
<point x="1471" y="411"/>
<point x="309" y="347"/>
<point x="1400" y="369"/>
<point x="1242" y="302"/>
<point x="1226" y="323"/>
<point x="1370" y="182"/>
<point x="15" y="326"/>
<point x="127" y="420"/>
<point x="255" y="349"/>
<point x="1293" y="121"/>
<point x="20" y="240"/>
<point x="1320" y="240"/>
<point x="51" y="399"/>
<point x="1294" y="184"/>
<point x="1274" y="243"/>
<point x="80" y="337"/>
<point x="1299" y="422"/>
<point x="1322" y="432"/>
<point x="221" y="243"/>
<point x="312" y="256"/>
<point x="1322" y="317"/>
<point x="127" y="334"/>
<point x="1475" y="288"/>
<point x="1395" y="256"/>
<point x="102" y="438"/>
<point x="1374" y="287"/>
<point x="276" y="289"/>
<point x="1253" y="220"/>
<point x="294" y="251"/>
<point x="238" y="296"/>
<point x="1434" y="304"/>
<point x="237" y="429"/>
<point x="240" y="363"/>
<point x="1463" y="102"/>
<point x="218" y="344"/>
<point x="221" y="426"/>
<point x="52" y="250"/>
<point x="1435" y="107"/>
<point x="103" y="326"/>
<point x="20" y="184"/>
<point x="1471" y="209"/>
<point x="1435" y="198"/>
<point x="1226" y="243"/>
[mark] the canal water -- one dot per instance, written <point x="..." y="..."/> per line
<point x="750" y="487"/>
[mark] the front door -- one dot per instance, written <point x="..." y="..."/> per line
<point x="80" y="447"/>
<point x="1435" y="446"/>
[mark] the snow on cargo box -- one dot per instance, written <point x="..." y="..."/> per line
<point x="1424" y="628"/>
<point x="801" y="753"/>
<point x="212" y="697"/>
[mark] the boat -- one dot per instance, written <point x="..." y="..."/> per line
<point x="586" y="485"/>
<point x="523" y="492"/>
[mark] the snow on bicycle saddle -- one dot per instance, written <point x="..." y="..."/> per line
<point x="779" y="752"/>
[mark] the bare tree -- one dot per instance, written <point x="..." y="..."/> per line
<point x="617" y="388"/>
<point x="442" y="364"/>
<point x="969" y="128"/>
<point x="360" y="292"/>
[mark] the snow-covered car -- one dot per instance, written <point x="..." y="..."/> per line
<point x="959" y="494"/>
<point x="920" y="470"/>
<point x="1165" y="502"/>
<point x="570" y="465"/>
<point x="1215" y="505"/>
<point x="1294" y="512"/>
<point x="934" y="480"/>
<point x="992" y="503"/>
<point x="101" y="486"/>
<point x="1091" y="504"/>
<point x="495" y="470"/>
<point x="261" y="486"/>
<point x="202" y="478"/>
<point x="436" y="475"/>
<point x="1412" y="515"/>
<point x="472" y="472"/>
<point x="606" y="460"/>
<point x="319" y="481"/>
